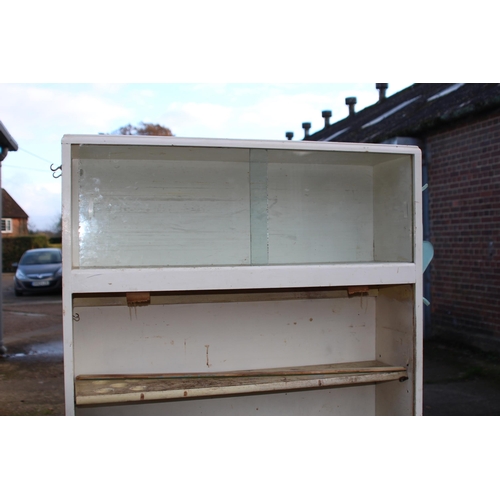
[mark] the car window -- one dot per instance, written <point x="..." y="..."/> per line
<point x="40" y="258"/>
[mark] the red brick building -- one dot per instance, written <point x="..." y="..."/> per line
<point x="457" y="126"/>
<point x="14" y="218"/>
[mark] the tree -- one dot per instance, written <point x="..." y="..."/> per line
<point x="143" y="129"/>
<point x="56" y="229"/>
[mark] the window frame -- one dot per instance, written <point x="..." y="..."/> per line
<point x="6" y="225"/>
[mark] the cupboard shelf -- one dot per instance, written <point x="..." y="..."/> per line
<point x="116" y="388"/>
<point x="248" y="277"/>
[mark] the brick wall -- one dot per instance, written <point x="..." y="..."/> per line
<point x="19" y="228"/>
<point x="464" y="192"/>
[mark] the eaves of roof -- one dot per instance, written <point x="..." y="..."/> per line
<point x="413" y="112"/>
<point x="6" y="140"/>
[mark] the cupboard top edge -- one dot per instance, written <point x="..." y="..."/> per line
<point x="117" y="140"/>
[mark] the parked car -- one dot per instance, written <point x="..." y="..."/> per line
<point x="39" y="270"/>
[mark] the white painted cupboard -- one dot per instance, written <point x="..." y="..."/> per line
<point x="224" y="277"/>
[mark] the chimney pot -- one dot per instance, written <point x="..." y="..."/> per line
<point x="351" y="101"/>
<point x="327" y="114"/>
<point x="381" y="87"/>
<point x="306" y="126"/>
<point x="289" y="135"/>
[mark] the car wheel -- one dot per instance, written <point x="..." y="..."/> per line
<point x="17" y="293"/>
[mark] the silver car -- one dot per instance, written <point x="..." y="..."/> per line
<point x="39" y="270"/>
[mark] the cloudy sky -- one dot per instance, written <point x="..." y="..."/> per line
<point x="38" y="115"/>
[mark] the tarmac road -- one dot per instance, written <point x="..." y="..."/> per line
<point x="457" y="380"/>
<point x="31" y="373"/>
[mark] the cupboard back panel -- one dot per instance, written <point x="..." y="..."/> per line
<point x="223" y="336"/>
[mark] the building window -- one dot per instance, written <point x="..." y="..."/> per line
<point x="6" y="225"/>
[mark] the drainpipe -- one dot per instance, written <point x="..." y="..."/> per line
<point x="7" y="143"/>
<point x="426" y="223"/>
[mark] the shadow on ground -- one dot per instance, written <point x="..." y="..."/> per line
<point x="459" y="380"/>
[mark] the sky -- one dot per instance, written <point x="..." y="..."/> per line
<point x="37" y="115"/>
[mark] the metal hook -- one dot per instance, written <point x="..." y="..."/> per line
<point x="54" y="170"/>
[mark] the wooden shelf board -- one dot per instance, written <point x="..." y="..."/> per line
<point x="115" y="388"/>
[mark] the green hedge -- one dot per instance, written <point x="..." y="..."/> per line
<point x="13" y="248"/>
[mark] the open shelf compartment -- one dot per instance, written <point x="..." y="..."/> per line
<point x="172" y="348"/>
<point x="239" y="206"/>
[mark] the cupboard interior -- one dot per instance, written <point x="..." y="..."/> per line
<point x="179" y="206"/>
<point x="249" y="330"/>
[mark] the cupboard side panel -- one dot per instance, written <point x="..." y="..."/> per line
<point x="67" y="252"/>
<point x="393" y="211"/>
<point x="395" y="345"/>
